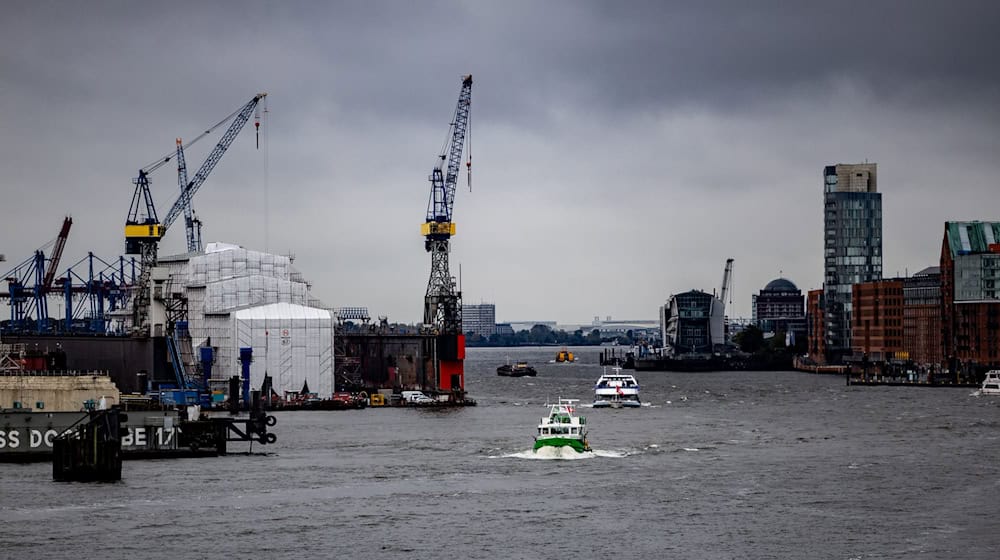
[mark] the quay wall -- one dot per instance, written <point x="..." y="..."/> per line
<point x="56" y="393"/>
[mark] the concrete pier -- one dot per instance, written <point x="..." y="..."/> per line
<point x="56" y="391"/>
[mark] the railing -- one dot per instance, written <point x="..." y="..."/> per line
<point x="57" y="373"/>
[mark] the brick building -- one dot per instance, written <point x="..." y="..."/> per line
<point x="922" y="316"/>
<point x="814" y="326"/>
<point x="970" y="308"/>
<point x="877" y="321"/>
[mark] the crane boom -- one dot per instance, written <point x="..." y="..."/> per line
<point x="57" y="251"/>
<point x="443" y="183"/>
<point x="213" y="159"/>
<point x="727" y="276"/>
<point x="143" y="231"/>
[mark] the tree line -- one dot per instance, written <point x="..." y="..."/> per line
<point x="541" y="335"/>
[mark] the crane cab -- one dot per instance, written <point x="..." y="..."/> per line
<point x="446" y="229"/>
<point x="137" y="234"/>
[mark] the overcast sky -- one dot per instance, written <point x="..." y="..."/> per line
<point x="621" y="150"/>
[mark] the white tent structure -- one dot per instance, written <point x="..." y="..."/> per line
<point x="291" y="343"/>
<point x="239" y="298"/>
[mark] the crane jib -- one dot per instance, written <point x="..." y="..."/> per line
<point x="443" y="182"/>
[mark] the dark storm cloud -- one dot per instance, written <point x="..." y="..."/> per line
<point x="658" y="134"/>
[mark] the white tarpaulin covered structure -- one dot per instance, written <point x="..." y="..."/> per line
<point x="291" y="343"/>
<point x="241" y="298"/>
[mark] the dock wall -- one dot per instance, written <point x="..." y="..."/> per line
<point x="56" y="393"/>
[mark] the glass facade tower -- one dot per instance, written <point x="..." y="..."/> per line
<point x="852" y="245"/>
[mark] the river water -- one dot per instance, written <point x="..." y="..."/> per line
<point x="718" y="465"/>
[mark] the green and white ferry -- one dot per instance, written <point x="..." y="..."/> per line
<point x="561" y="428"/>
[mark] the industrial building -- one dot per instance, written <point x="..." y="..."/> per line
<point x="852" y="244"/>
<point x="240" y="298"/>
<point x="970" y="310"/>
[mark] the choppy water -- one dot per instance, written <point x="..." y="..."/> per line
<point x="719" y="465"/>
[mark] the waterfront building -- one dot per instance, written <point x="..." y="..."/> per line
<point x="693" y="322"/>
<point x="815" y="326"/>
<point x="877" y="321"/>
<point x="922" y="316"/>
<point x="479" y="319"/>
<point x="970" y="283"/>
<point x="852" y="246"/>
<point x="780" y="307"/>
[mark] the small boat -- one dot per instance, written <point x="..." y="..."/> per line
<point x="616" y="390"/>
<point x="562" y="429"/>
<point x="565" y="356"/>
<point x="991" y="385"/>
<point x="519" y="369"/>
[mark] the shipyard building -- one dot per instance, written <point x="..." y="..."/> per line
<point x="240" y="298"/>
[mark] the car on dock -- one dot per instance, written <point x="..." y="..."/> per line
<point x="416" y="397"/>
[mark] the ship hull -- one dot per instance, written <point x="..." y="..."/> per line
<point x="577" y="445"/>
<point x="27" y="436"/>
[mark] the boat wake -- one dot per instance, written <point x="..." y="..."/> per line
<point x="562" y="453"/>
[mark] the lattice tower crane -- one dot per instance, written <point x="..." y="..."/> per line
<point x="143" y="229"/>
<point x="443" y="301"/>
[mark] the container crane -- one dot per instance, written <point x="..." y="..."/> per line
<point x="143" y="229"/>
<point x="443" y="302"/>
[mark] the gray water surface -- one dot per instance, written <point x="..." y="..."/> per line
<point x="718" y="465"/>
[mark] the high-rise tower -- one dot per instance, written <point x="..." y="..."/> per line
<point x="852" y="245"/>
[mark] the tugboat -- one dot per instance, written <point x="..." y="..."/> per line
<point x="519" y="369"/>
<point x="565" y="356"/>
<point x="562" y="430"/>
<point x="616" y="390"/>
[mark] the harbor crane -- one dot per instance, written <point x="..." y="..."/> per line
<point x="443" y="301"/>
<point x="143" y="229"/>
<point x="727" y="279"/>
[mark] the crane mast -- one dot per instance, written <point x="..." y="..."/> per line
<point x="192" y="225"/>
<point x="443" y="301"/>
<point x="143" y="229"/>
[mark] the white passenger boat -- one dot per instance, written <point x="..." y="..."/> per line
<point x="562" y="428"/>
<point x="991" y="385"/>
<point x="616" y="390"/>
